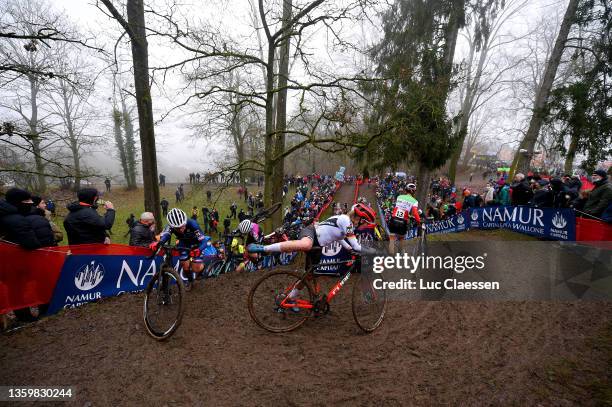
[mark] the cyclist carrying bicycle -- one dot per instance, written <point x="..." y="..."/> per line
<point x="406" y="207"/>
<point x="339" y="228"/>
<point x="191" y="242"/>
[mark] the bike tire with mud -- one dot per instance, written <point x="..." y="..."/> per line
<point x="368" y="304"/>
<point x="268" y="291"/>
<point x="176" y="316"/>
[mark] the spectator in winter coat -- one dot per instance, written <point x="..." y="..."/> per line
<point x="601" y="195"/>
<point x="521" y="192"/>
<point x="14" y="227"/>
<point x="40" y="225"/>
<point x="143" y="232"/>
<point x="83" y="224"/>
<point x="542" y="195"/>
<point x="40" y="207"/>
<point x="503" y="196"/>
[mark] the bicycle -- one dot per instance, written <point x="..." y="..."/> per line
<point x="271" y="308"/>
<point x="227" y="261"/>
<point x="266" y="213"/>
<point x="164" y="297"/>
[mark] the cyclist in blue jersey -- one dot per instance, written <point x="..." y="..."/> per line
<point x="190" y="241"/>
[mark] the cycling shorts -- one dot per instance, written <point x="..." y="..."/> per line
<point x="398" y="226"/>
<point x="313" y="257"/>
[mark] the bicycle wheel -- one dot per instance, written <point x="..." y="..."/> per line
<point x="368" y="304"/>
<point x="214" y="268"/>
<point x="265" y="298"/>
<point x="163" y="303"/>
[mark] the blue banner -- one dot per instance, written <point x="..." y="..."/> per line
<point x="86" y="278"/>
<point x="331" y="253"/>
<point x="456" y="223"/>
<point x="549" y="223"/>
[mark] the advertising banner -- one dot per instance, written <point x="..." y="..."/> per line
<point x="456" y="223"/>
<point x="550" y="223"/>
<point x="86" y="278"/>
<point x="331" y="253"/>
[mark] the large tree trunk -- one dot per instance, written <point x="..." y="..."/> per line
<point x="281" y="116"/>
<point x="41" y="182"/>
<point x="140" y="58"/>
<point x="522" y="159"/>
<point x="571" y="154"/>
<point x="269" y="137"/>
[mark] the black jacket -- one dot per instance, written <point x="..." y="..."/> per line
<point x="15" y="228"/>
<point x="42" y="228"/>
<point x="599" y="198"/>
<point x="542" y="198"/>
<point x="521" y="193"/>
<point x="84" y="225"/>
<point x="141" y="235"/>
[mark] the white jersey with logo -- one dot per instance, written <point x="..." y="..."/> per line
<point x="337" y="229"/>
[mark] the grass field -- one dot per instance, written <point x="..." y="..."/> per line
<point x="127" y="202"/>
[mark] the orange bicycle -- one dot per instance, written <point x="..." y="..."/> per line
<point x="273" y="308"/>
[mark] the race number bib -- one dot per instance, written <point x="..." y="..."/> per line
<point x="400" y="213"/>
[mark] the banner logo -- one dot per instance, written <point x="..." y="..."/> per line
<point x="89" y="276"/>
<point x="331" y="249"/>
<point x="474" y="215"/>
<point x="559" y="221"/>
<point x="460" y="219"/>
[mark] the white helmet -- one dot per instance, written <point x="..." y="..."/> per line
<point x="176" y="218"/>
<point x="245" y="226"/>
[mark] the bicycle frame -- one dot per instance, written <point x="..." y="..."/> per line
<point x="304" y="304"/>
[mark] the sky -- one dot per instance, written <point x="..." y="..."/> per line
<point x="178" y="151"/>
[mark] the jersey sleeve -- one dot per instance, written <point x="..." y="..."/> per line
<point x="197" y="230"/>
<point x="165" y="235"/>
<point x="415" y="214"/>
<point x="353" y="243"/>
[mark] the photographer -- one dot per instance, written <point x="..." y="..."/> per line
<point x="83" y="224"/>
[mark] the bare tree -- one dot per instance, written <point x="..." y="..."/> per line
<point x="135" y="28"/>
<point x="522" y="158"/>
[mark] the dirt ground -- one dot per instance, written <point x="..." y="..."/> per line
<point x="425" y="353"/>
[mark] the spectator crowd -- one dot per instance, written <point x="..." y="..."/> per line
<point x="590" y="198"/>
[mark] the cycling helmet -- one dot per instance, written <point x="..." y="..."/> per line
<point x="176" y="218"/>
<point x="411" y="187"/>
<point x="364" y="212"/>
<point x="245" y="226"/>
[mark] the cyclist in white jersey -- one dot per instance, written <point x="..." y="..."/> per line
<point x="338" y="228"/>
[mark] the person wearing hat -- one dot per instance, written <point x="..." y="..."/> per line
<point x="83" y="224"/>
<point x="14" y="227"/>
<point x="143" y="232"/>
<point x="600" y="196"/>
<point x="40" y="223"/>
